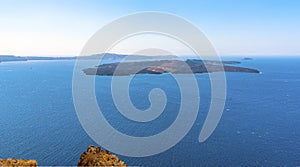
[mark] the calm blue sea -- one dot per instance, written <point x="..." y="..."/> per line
<point x="259" y="127"/>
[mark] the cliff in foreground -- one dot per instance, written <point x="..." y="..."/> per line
<point x="94" y="156"/>
<point x="17" y="162"/>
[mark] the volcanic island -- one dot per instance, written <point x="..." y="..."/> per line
<point x="188" y="66"/>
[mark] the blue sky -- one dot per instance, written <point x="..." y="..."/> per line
<point x="235" y="27"/>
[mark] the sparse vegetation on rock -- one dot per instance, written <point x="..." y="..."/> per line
<point x="94" y="156"/>
<point x="17" y="162"/>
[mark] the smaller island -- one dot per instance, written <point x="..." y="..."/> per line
<point x="247" y="58"/>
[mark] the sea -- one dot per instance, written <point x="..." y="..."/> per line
<point x="260" y="125"/>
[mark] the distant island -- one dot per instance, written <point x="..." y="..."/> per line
<point x="166" y="66"/>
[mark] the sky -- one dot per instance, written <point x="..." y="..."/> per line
<point x="234" y="27"/>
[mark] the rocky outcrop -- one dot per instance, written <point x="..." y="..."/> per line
<point x="17" y="162"/>
<point x="94" y="156"/>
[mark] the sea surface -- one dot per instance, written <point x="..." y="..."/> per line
<point x="259" y="127"/>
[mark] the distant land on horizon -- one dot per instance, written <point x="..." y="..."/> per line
<point x="8" y="58"/>
<point x="104" y="56"/>
<point x="114" y="57"/>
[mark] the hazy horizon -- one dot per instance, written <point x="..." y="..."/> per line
<point x="251" y="56"/>
<point x="153" y="55"/>
<point x="237" y="28"/>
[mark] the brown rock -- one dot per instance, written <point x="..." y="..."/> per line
<point x="17" y="162"/>
<point x="94" y="156"/>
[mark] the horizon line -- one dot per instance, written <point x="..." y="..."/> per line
<point x="182" y="55"/>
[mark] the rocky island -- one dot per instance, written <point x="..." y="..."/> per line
<point x="166" y="66"/>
